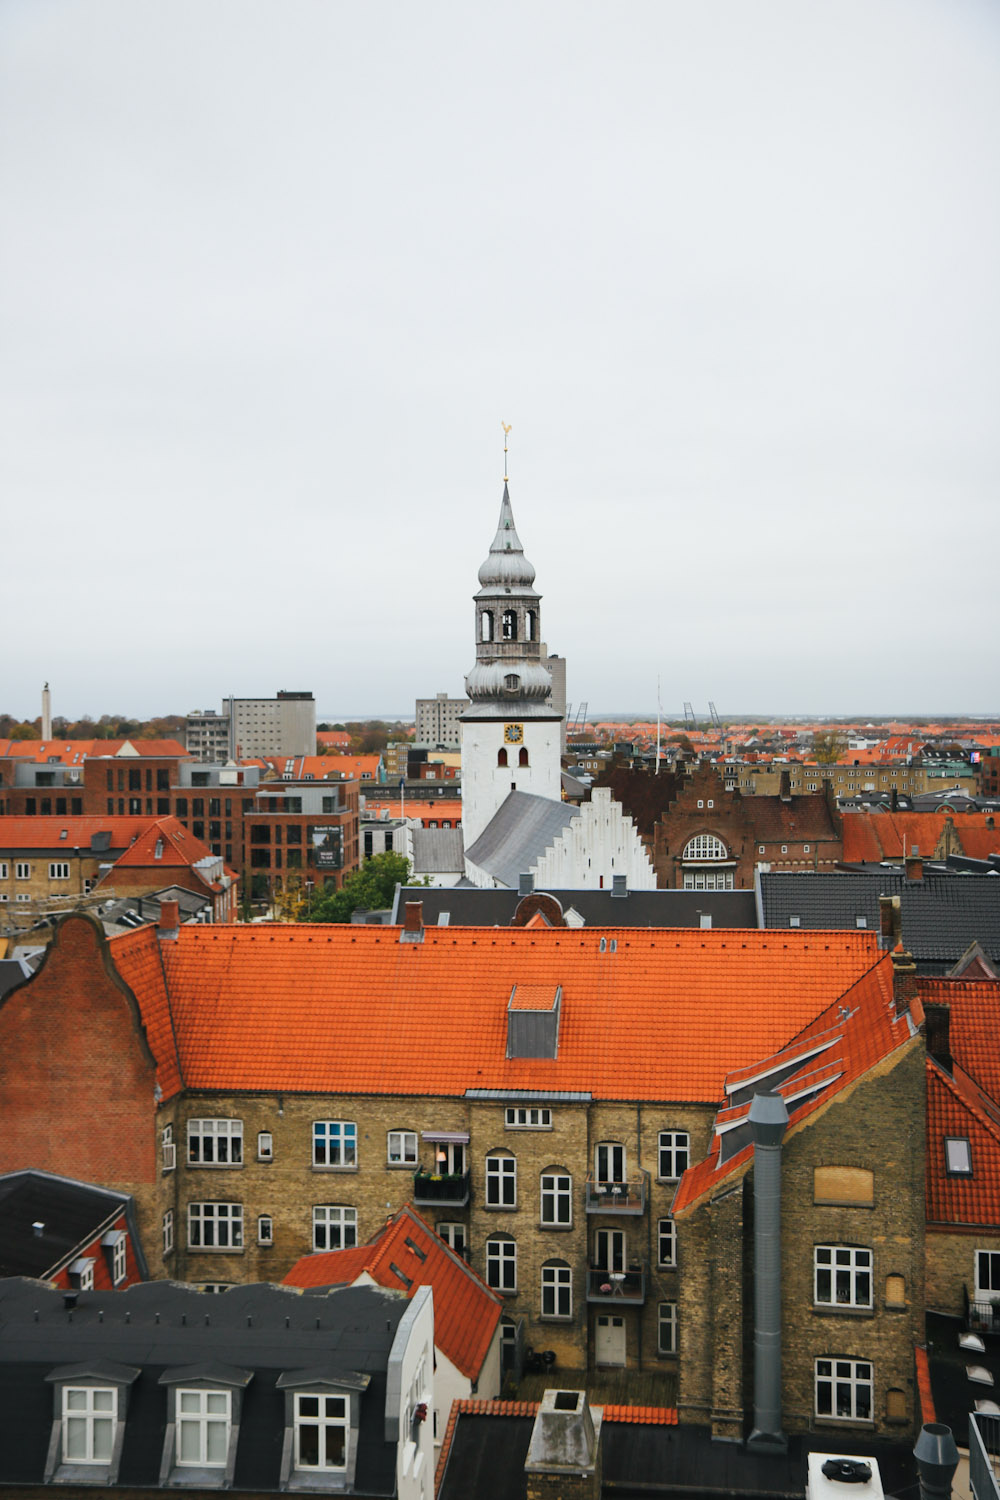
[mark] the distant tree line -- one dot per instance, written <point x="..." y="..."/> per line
<point x="107" y="727"/>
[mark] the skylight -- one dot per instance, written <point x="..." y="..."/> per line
<point x="958" y="1156"/>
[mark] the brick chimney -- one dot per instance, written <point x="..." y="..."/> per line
<point x="413" y="923"/>
<point x="904" y="979"/>
<point x="170" y="920"/>
<point x="785" y="789"/>
<point x="564" y="1455"/>
<point x="890" y="913"/>
<point x="913" y="864"/>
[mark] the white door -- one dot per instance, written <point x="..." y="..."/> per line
<point x="609" y="1344"/>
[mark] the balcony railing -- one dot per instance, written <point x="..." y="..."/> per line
<point x="984" y="1448"/>
<point x="451" y="1188"/>
<point x="981" y="1316"/>
<point x="627" y="1197"/>
<point x="616" y="1286"/>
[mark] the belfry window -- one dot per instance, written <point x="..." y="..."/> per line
<point x="510" y="624"/>
<point x="486" y="625"/>
<point x="522" y="756"/>
<point x="530" y="621"/>
<point x="501" y="756"/>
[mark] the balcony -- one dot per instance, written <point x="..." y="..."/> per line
<point x="450" y="1190"/>
<point x="627" y="1197"/>
<point x="617" y="1287"/>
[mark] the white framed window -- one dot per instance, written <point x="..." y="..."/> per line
<point x="501" y="1182"/>
<point x="455" y="1235"/>
<point x="673" y="1152"/>
<point x="335" y="1143"/>
<point x="89" y="1419"/>
<point x="401" y="1148"/>
<point x="557" y="1198"/>
<point x="557" y="1290"/>
<point x="20" y="897"/>
<point x="805" y="848"/>
<point x="119" y="1260"/>
<point x="4" y="869"/>
<point x="844" y="1389"/>
<point x="265" y="1230"/>
<point x="168" y="1231"/>
<point x="265" y="1145"/>
<point x="22" y="870"/>
<point x="987" y="1274"/>
<point x="215" y="1143"/>
<point x="701" y="802"/>
<point x="334" y="1227"/>
<point x="169" y="1148"/>
<point x="958" y="1156"/>
<point x="842" y="1276"/>
<point x="501" y="1264"/>
<point x="519" y="1117"/>
<point x="761" y="849"/>
<point x="322" y="1427"/>
<point x="784" y="848"/>
<point x="203" y="1423"/>
<point x="82" y="1273"/>
<point x="708" y="880"/>
<point x="704" y="846"/>
<point x="609" y="1162"/>
<point x="666" y="1243"/>
<point x="58" y="870"/>
<point x="666" y="1328"/>
<point x="215" y="1226"/>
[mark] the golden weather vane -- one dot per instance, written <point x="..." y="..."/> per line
<point x="506" y="429"/>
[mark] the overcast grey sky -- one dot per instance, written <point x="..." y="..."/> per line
<point x="271" y="275"/>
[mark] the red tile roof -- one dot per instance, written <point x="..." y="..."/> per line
<point x="870" y="837"/>
<point x="177" y="847"/>
<point x="859" y="1030"/>
<point x="440" y="810"/>
<point x="466" y="1311"/>
<point x="974" y="1025"/>
<point x="137" y="958"/>
<point x="957" y="1107"/>
<point x="924" y="1385"/>
<point x="47" y="833"/>
<point x="353" y="1010"/>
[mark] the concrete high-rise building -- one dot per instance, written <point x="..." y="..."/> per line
<point x="438" y="720"/>
<point x="285" y="725"/>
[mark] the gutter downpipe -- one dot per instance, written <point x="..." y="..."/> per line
<point x="768" y="1121"/>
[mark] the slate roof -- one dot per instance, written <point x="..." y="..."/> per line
<point x="466" y="1311"/>
<point x="343" y="1332"/>
<point x="518" y="834"/>
<point x="438" y="851"/>
<point x="468" y="906"/>
<point x="942" y="914"/>
<point x="350" y="1009"/>
<point x="71" y="1213"/>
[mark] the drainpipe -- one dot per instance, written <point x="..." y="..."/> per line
<point x="768" y="1120"/>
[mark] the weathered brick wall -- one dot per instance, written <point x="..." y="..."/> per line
<point x="76" y="1077"/>
<point x="951" y="1265"/>
<point x="877" y="1126"/>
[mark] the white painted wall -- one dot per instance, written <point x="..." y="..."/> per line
<point x="485" y="784"/>
<point x="599" y="844"/>
<point x="410" y="1379"/>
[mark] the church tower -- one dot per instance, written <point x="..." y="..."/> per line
<point x="510" y="733"/>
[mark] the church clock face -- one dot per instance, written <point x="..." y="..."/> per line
<point x="513" y="734"/>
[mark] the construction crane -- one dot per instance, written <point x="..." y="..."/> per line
<point x="715" y="715"/>
<point x="574" y="726"/>
<point x="690" y="722"/>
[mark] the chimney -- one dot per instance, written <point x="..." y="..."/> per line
<point x="913" y="864"/>
<point x="768" y="1122"/>
<point x="564" y="1454"/>
<point x="937" y="1018"/>
<point x="413" y="923"/>
<point x="38" y="1229"/>
<point x="890" y="914"/>
<point x="46" y="713"/>
<point x="170" y="921"/>
<point x="904" y="979"/>
<point x="525" y="883"/>
<point x="785" y="792"/>
<point x="937" y="1459"/>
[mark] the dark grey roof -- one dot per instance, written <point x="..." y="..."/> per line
<point x="71" y="1212"/>
<point x="350" y="1329"/>
<point x="518" y="834"/>
<point x="13" y="971"/>
<point x="468" y="907"/>
<point x="487" y="1456"/>
<point x="438" y="851"/>
<point x="942" y="914"/>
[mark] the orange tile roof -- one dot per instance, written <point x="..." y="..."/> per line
<point x="534" y="997"/>
<point x="354" y="766"/>
<point x="857" y="1031"/>
<point x="46" y="833"/>
<point x="924" y="1391"/>
<point x="333" y="737"/>
<point x="443" y="809"/>
<point x="974" y="1025"/>
<point x="317" y="767"/>
<point x="177" y="846"/>
<point x="957" y="1107"/>
<point x="136" y="956"/>
<point x="870" y="837"/>
<point x="344" y="1009"/>
<point x="466" y="1310"/>
<point x="71" y="752"/>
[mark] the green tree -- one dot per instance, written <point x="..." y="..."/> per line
<point x="828" y="746"/>
<point x="368" y="889"/>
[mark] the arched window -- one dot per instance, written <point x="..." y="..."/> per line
<point x="522" y="756"/>
<point x="512" y="682"/>
<point x="510" y="624"/>
<point x="501" y="1180"/>
<point x="486" y="625"/>
<point x="501" y="1263"/>
<point x="530" y="619"/>
<point x="501" y="756"/>
<point x="704" y="846"/>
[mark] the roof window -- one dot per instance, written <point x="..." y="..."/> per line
<point x="958" y="1156"/>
